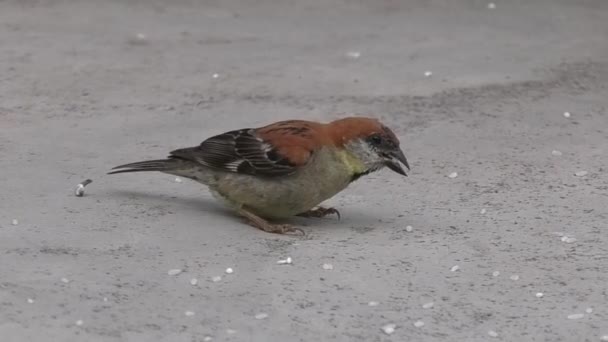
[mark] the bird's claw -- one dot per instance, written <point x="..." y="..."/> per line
<point x="284" y="229"/>
<point x="290" y="230"/>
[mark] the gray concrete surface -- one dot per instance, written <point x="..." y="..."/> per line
<point x="79" y="94"/>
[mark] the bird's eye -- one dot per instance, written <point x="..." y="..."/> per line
<point x="376" y="139"/>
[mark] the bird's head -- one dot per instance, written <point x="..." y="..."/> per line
<point x="370" y="142"/>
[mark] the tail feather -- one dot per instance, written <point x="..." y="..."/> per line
<point x="148" y="165"/>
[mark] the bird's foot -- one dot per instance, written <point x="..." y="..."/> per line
<point x="320" y="212"/>
<point x="279" y="228"/>
<point x="268" y="227"/>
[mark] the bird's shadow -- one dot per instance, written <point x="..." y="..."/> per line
<point x="352" y="220"/>
<point x="205" y="205"/>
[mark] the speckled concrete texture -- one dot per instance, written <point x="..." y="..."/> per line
<point x="81" y="92"/>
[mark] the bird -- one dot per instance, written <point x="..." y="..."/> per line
<point x="285" y="169"/>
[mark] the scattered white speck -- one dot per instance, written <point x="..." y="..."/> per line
<point x="539" y="295"/>
<point x="328" y="267"/>
<point x="514" y="277"/>
<point x="229" y="270"/>
<point x="138" y="39"/>
<point x="389" y="328"/>
<point x="491" y="5"/>
<point x="208" y="339"/>
<point x="353" y="54"/>
<point x="556" y="153"/>
<point x="105" y="299"/>
<point x="495" y="274"/>
<point x="230" y="331"/>
<point x="419" y="324"/>
<point x="79" y="322"/>
<point x="30" y="300"/>
<point x="453" y="175"/>
<point x="189" y="313"/>
<point x="79" y="191"/>
<point x="492" y="333"/>
<point x="409" y="228"/>
<point x="193" y="281"/>
<point x="581" y="173"/>
<point x="455" y="268"/>
<point x="576" y="316"/>
<point x="483" y="211"/>
<point x="428" y="73"/>
<point x="568" y="239"/>
<point x="15" y="222"/>
<point x="589" y="310"/>
<point x="215" y="75"/>
<point x="284" y="261"/>
<point x="604" y="338"/>
<point x="261" y="315"/>
<point x="178" y="180"/>
<point x="567" y="114"/>
<point x="174" y="272"/>
<point x="373" y="303"/>
<point x="428" y="305"/>
<point x="65" y="280"/>
<point x="216" y="279"/>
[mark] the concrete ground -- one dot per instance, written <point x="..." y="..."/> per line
<point x="81" y="92"/>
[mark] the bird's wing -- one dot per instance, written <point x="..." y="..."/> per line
<point x="267" y="151"/>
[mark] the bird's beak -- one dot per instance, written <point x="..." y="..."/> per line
<point x="394" y="161"/>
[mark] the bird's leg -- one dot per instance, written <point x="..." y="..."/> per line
<point x="320" y="212"/>
<point x="266" y="226"/>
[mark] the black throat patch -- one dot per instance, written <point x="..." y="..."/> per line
<point x="359" y="175"/>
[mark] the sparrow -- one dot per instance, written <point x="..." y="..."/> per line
<point x="284" y="169"/>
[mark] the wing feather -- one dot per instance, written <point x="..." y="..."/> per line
<point x="246" y="151"/>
